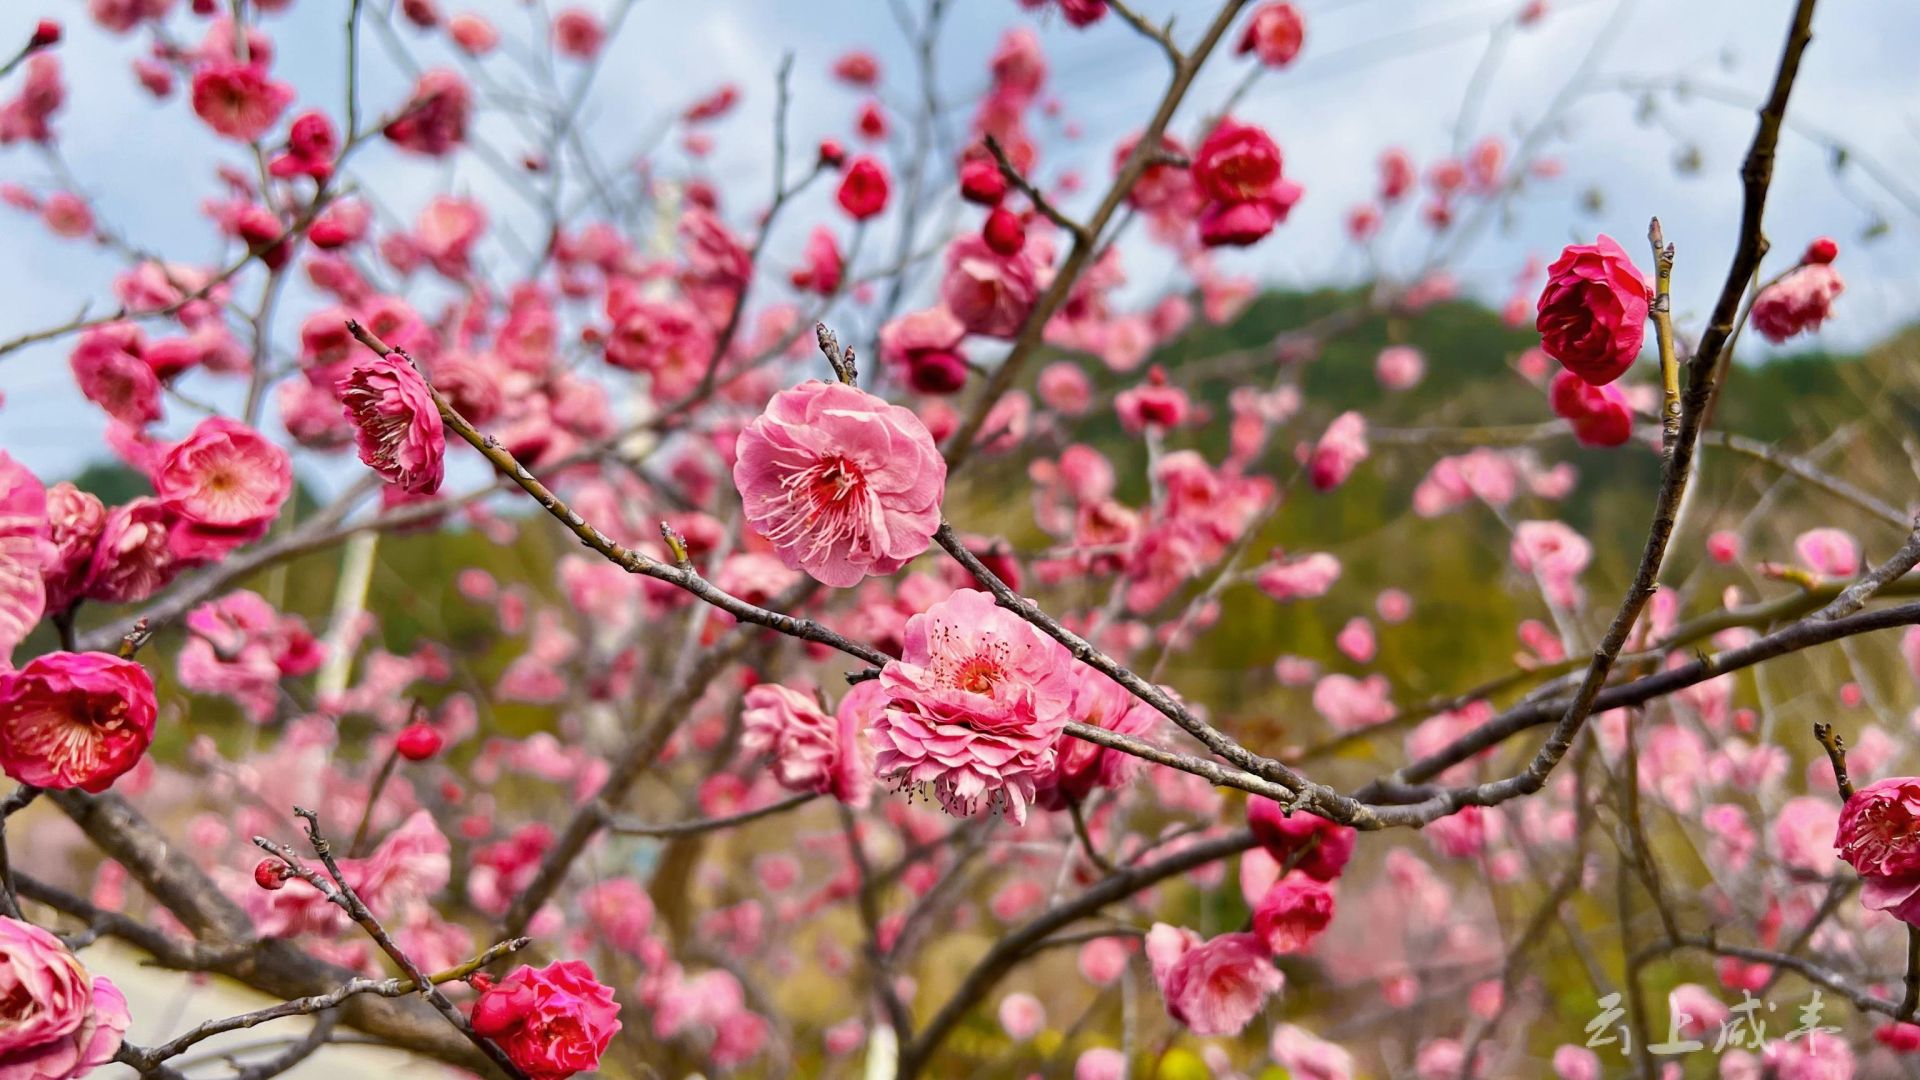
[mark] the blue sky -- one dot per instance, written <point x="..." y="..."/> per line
<point x="1375" y="73"/>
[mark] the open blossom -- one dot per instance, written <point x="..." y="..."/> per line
<point x="1829" y="552"/>
<point x="991" y="294"/>
<point x="824" y="265"/>
<point x="241" y="648"/>
<point x="434" y="120"/>
<point x="23" y="553"/>
<point x="1306" y="1056"/>
<point x="1320" y="848"/>
<point x="976" y="703"/>
<point x="1797" y="303"/>
<point x="108" y="365"/>
<point x="1081" y="767"/>
<point x="553" y="1022"/>
<point x="1340" y="450"/>
<point x="1214" y="987"/>
<point x="843" y="483"/>
<point x="1350" y="704"/>
<point x="811" y="750"/>
<point x="222" y="486"/>
<point x="1593" y="311"/>
<point x="1879" y="836"/>
<point x="57" y="1022"/>
<point x="133" y="558"/>
<point x="396" y="425"/>
<point x="924" y="348"/>
<point x="1274" y="34"/>
<point x="1555" y="554"/>
<point x="74" y="520"/>
<point x="74" y="719"/>
<point x="1301" y="578"/>
<point x="238" y="100"/>
<point x="1237" y="169"/>
<point x="1599" y="415"/>
<point x="1152" y="404"/>
<point x="1400" y="367"/>
<point x="1292" y="913"/>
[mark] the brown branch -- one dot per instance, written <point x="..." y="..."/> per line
<point x="343" y="895"/>
<point x="1022" y="941"/>
<point x="146" y="1058"/>
<point x="1025" y="187"/>
<point x="624" y="826"/>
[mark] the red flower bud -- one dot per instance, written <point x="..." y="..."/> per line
<point x="270" y="874"/>
<point x="832" y="154"/>
<point x="45" y="34"/>
<point x="863" y="191"/>
<point x="982" y="182"/>
<point x="418" y="742"/>
<point x="1822" y="251"/>
<point x="1004" y="232"/>
<point x="936" y="371"/>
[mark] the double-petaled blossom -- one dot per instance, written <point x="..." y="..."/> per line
<point x="1313" y="845"/>
<point x="553" y="1022"/>
<point x="1341" y="449"/>
<point x="1555" y="554"/>
<point x="75" y="520"/>
<point x="1080" y="767"/>
<point x="1879" y="836"/>
<point x="844" y="484"/>
<point x="822" y="264"/>
<point x="811" y="750"/>
<point x="112" y="372"/>
<point x="241" y="648"/>
<point x="923" y="347"/>
<point x="1797" y="303"/>
<point x="1216" y="986"/>
<point x="29" y="116"/>
<point x="1301" y="578"/>
<point x="396" y="424"/>
<point x="1306" y="1056"/>
<point x="1152" y="404"/>
<point x="311" y="147"/>
<point x="1599" y="415"/>
<point x="1274" y="34"/>
<point x="1237" y="170"/>
<point x="221" y="486"/>
<point x="133" y="557"/>
<point x="57" y="1021"/>
<point x="238" y="100"/>
<point x="434" y="120"/>
<point x="74" y="719"/>
<point x="976" y="703"/>
<point x="990" y="293"/>
<point x="1293" y="913"/>
<point x="1593" y="311"/>
<point x="24" y="551"/>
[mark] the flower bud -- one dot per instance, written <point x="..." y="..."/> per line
<point x="1004" y="232"/>
<point x="418" y="742"/>
<point x="982" y="182"/>
<point x="270" y="874"/>
<point x="1822" y="251"/>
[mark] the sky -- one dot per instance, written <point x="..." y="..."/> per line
<point x="1374" y="74"/>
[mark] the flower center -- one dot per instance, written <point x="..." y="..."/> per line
<point x="829" y="505"/>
